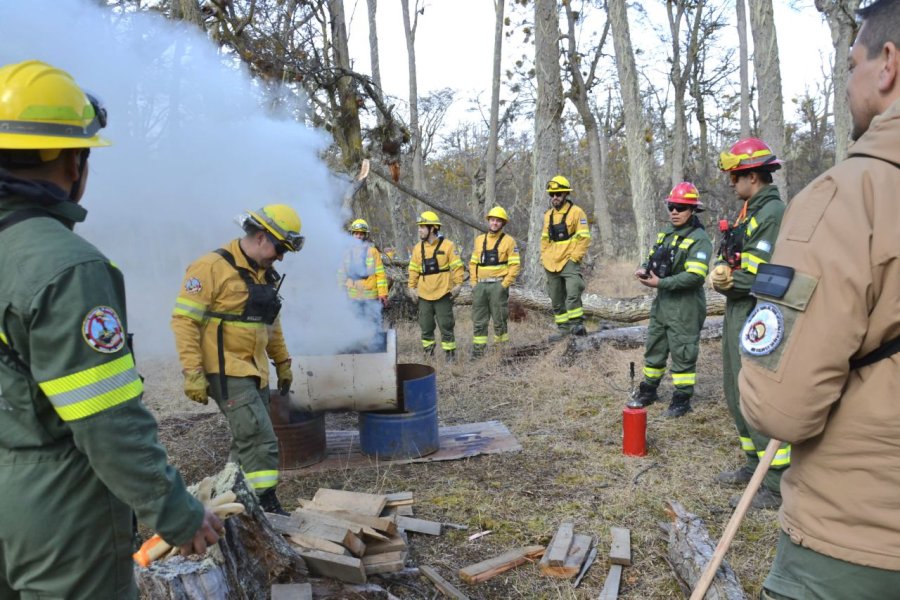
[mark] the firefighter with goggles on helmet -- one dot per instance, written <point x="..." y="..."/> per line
<point x="226" y="328"/>
<point x="78" y="447"/>
<point x="676" y="267"/>
<point x="746" y="244"/>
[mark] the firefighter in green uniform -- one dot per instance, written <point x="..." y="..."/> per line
<point x="565" y="239"/>
<point x="745" y="245"/>
<point x="677" y="267"/>
<point x="78" y="449"/>
<point x="226" y="326"/>
<point x="435" y="280"/>
<point x="494" y="265"/>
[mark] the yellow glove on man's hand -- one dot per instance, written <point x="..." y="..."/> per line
<point x="721" y="277"/>
<point x="285" y="377"/>
<point x="195" y="386"/>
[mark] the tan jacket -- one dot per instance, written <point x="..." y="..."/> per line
<point x="212" y="284"/>
<point x="436" y="285"/>
<point x="555" y="254"/>
<point x="840" y="234"/>
<point x="507" y="251"/>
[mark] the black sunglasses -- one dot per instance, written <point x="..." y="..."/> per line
<point x="557" y="194"/>
<point x="677" y="207"/>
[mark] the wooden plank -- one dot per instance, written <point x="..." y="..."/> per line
<point x="358" y="502"/>
<point x="620" y="552"/>
<point x="390" y="562"/>
<point x="292" y="591"/>
<point x="486" y="569"/>
<point x="283" y="524"/>
<point x="325" y="564"/>
<point x="334" y="533"/>
<point x="304" y="515"/>
<point x="404" y="510"/>
<point x="444" y="586"/>
<point x="559" y="546"/>
<point x="419" y="525"/>
<point x="581" y="545"/>
<point x="399" y="499"/>
<point x="385" y="524"/>
<point x="392" y="545"/>
<point x="314" y="543"/>
<point x="610" y="589"/>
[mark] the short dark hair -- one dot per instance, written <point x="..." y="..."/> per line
<point x="765" y="175"/>
<point x="882" y="20"/>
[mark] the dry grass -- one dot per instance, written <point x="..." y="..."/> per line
<point x="568" y="419"/>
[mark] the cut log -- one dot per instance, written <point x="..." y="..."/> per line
<point x="292" y="591"/>
<point x="508" y="560"/>
<point x="364" y="504"/>
<point x="690" y="549"/>
<point x="633" y="337"/>
<point x="610" y="589"/>
<point x="343" y="568"/>
<point x="419" y="525"/>
<point x="573" y="560"/>
<point x="244" y="563"/>
<point x="558" y="550"/>
<point x="443" y="586"/>
<point x="389" y="562"/>
<point x="620" y="551"/>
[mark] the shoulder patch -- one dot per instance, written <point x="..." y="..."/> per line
<point x="764" y="246"/>
<point x="763" y="331"/>
<point x="584" y="221"/>
<point x="102" y="330"/>
<point x="192" y="286"/>
<point x="515" y="249"/>
<point x="701" y="255"/>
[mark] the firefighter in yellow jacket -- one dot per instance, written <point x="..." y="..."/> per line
<point x="435" y="279"/>
<point x="494" y="266"/>
<point x="362" y="272"/>
<point x="565" y="239"/>
<point x="226" y="323"/>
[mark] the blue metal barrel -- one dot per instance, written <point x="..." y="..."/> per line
<point x="408" y="433"/>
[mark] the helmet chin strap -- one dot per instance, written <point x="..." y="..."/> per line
<point x="76" y="185"/>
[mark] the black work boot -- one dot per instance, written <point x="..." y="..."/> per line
<point x="578" y="329"/>
<point x="450" y="355"/>
<point x="429" y="351"/>
<point x="680" y="405"/>
<point x="764" y="499"/>
<point x="268" y="501"/>
<point x="561" y="333"/>
<point x="478" y="351"/>
<point x="645" y="397"/>
<point x="737" y="477"/>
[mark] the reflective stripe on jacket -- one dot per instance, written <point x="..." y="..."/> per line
<point x="508" y="252"/>
<point x="436" y="285"/>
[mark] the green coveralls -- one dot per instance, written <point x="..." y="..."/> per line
<point x="764" y="212"/>
<point x="679" y="308"/>
<point x="78" y="449"/>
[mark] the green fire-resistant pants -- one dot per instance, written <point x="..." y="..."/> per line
<point x="440" y="310"/>
<point x="490" y="300"/>
<point x="564" y="289"/>
<point x="63" y="534"/>
<point x="799" y="573"/>
<point x="253" y="443"/>
<point x="753" y="443"/>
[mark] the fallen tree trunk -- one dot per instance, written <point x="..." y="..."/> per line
<point x="633" y="337"/>
<point x="691" y="549"/>
<point x="621" y="310"/>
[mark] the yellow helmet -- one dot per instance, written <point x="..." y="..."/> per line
<point x="42" y="108"/>
<point x="359" y="225"/>
<point x="429" y="218"/>
<point x="558" y="184"/>
<point x="499" y="212"/>
<point x="282" y="222"/>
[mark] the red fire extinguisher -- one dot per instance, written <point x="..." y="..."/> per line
<point x="634" y="427"/>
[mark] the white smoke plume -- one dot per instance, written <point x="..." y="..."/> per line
<point x="194" y="146"/>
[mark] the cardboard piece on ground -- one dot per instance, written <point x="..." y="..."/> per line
<point x="389" y="562"/>
<point x="419" y="525"/>
<point x="610" y="589"/>
<point x="325" y="564"/>
<point x="292" y="591"/>
<point x="444" y="586"/>
<point x="358" y="502"/>
<point x="508" y="560"/>
<point x="620" y="552"/>
<point x="558" y="550"/>
<point x="456" y="442"/>
<point x="575" y="556"/>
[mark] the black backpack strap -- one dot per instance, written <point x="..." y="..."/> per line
<point x="883" y="351"/>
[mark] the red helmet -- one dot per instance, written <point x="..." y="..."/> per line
<point x="749" y="153"/>
<point x="686" y="193"/>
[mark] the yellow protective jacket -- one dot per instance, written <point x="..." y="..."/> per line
<point x="508" y="255"/>
<point x="211" y="284"/>
<point x="435" y="286"/>
<point x="362" y="272"/>
<point x="555" y="254"/>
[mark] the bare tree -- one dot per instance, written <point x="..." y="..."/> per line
<point x="490" y="159"/>
<point x="680" y="73"/>
<point x="347" y="115"/>
<point x="743" y="62"/>
<point x="768" y="76"/>
<point x="418" y="158"/>
<point x="639" y="163"/>
<point x="547" y="125"/>
<point x="839" y="14"/>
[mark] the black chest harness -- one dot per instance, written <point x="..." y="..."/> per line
<point x="491" y="258"/>
<point x="732" y="244"/>
<point x="263" y="305"/>
<point x="662" y="257"/>
<point x="559" y="232"/>
<point x="430" y="266"/>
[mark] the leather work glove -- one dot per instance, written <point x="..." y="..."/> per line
<point x="721" y="277"/>
<point x="285" y="377"/>
<point x="195" y="386"/>
<point x="414" y="294"/>
<point x="455" y="290"/>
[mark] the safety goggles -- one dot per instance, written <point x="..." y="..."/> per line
<point x="555" y="186"/>
<point x="670" y="206"/>
<point x="293" y="244"/>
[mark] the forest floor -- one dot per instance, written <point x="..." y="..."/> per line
<point x="568" y="418"/>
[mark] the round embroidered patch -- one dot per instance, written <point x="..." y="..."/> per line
<point x="192" y="286"/>
<point x="764" y="330"/>
<point x="102" y="330"/>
